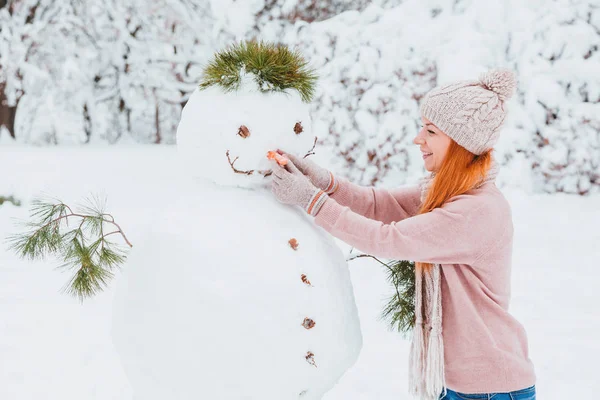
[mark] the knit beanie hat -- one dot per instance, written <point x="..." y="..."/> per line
<point x="471" y="112"/>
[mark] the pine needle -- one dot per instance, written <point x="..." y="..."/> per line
<point x="399" y="311"/>
<point x="400" y="308"/>
<point x="111" y="259"/>
<point x="84" y="249"/>
<point x="276" y="68"/>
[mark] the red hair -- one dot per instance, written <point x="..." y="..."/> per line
<point x="460" y="172"/>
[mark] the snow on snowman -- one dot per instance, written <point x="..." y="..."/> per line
<point x="230" y="294"/>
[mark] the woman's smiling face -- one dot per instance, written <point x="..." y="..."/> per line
<point x="434" y="145"/>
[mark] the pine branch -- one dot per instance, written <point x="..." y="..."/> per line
<point x="400" y="308"/>
<point x="275" y="68"/>
<point x="84" y="250"/>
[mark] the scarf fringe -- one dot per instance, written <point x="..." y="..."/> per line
<point x="426" y="374"/>
<point x="434" y="371"/>
<point x="417" y="348"/>
<point x="416" y="362"/>
<point x="434" y="374"/>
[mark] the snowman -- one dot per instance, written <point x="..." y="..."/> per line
<point x="229" y="294"/>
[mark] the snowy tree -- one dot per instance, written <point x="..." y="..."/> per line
<point x="135" y="63"/>
<point x="368" y="116"/>
<point x="24" y="58"/>
<point x="156" y="68"/>
<point x="558" y="60"/>
<point x="120" y="71"/>
<point x="366" y="109"/>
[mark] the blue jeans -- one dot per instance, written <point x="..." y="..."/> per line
<point x="523" y="394"/>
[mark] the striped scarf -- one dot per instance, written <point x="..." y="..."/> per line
<point x="426" y="360"/>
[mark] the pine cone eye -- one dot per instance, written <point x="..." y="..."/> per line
<point x="308" y="323"/>
<point x="298" y="128"/>
<point x="243" y="131"/>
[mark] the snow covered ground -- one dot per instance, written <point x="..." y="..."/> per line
<point x="52" y="347"/>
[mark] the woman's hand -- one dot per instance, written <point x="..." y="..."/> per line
<point x="291" y="186"/>
<point x="319" y="176"/>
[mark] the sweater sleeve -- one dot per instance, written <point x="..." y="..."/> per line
<point x="452" y="234"/>
<point x="378" y="203"/>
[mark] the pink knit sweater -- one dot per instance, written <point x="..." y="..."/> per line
<point x="485" y="348"/>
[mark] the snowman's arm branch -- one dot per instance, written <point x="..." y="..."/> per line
<point x="311" y="151"/>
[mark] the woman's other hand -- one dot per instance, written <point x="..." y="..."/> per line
<point x="319" y="176"/>
<point x="291" y="186"/>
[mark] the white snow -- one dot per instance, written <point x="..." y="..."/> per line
<point x="56" y="349"/>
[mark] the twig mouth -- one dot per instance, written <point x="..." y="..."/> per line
<point x="264" y="173"/>
<point x="237" y="171"/>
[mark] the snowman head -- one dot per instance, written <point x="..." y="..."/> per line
<point x="253" y="98"/>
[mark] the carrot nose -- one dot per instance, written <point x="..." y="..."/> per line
<point x="271" y="155"/>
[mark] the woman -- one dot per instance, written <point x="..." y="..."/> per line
<point x="456" y="226"/>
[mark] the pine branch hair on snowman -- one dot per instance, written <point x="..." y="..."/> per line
<point x="275" y="68"/>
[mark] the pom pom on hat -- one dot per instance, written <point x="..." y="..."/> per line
<point x="500" y="81"/>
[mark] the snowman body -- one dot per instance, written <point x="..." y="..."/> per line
<point x="229" y="294"/>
